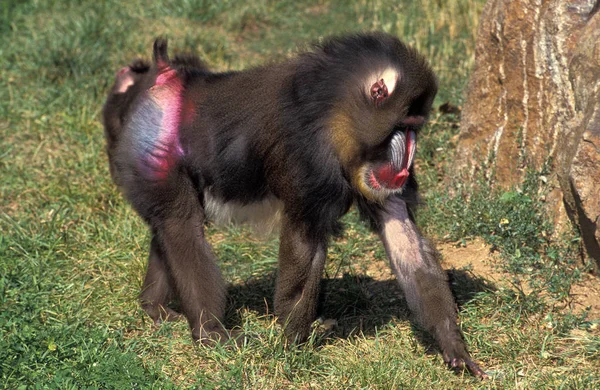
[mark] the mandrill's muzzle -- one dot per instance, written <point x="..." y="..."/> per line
<point x="402" y="149"/>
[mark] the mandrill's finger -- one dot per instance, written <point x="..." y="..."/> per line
<point x="458" y="364"/>
<point x="475" y="370"/>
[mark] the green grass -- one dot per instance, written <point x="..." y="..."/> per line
<point x="73" y="253"/>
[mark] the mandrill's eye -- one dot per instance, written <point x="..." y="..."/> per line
<point x="379" y="91"/>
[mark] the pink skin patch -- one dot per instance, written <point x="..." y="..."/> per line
<point x="124" y="80"/>
<point x="166" y="76"/>
<point x="387" y="176"/>
<point x="166" y="94"/>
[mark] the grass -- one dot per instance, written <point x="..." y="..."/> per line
<point x="72" y="252"/>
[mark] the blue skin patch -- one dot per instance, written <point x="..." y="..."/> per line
<point x="155" y="125"/>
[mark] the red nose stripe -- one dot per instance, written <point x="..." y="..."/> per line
<point x="390" y="178"/>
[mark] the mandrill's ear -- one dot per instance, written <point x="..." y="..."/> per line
<point x="381" y="85"/>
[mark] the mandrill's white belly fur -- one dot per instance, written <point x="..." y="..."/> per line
<point x="263" y="216"/>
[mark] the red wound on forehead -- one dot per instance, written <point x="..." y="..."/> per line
<point x="379" y="91"/>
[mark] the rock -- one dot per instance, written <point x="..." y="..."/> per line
<point x="534" y="100"/>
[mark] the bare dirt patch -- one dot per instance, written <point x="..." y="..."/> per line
<point x="475" y="257"/>
<point x="587" y="294"/>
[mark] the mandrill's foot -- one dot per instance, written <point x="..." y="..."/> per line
<point x="160" y="313"/>
<point x="217" y="335"/>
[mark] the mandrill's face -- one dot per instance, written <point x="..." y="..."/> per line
<point x="375" y="129"/>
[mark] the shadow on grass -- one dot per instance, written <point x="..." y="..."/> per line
<point x="359" y="304"/>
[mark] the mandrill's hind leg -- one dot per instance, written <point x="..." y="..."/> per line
<point x="157" y="290"/>
<point x="173" y="209"/>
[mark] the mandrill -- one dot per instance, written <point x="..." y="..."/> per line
<point x="304" y="140"/>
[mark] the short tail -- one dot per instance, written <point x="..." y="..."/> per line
<point x="161" y="55"/>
